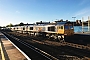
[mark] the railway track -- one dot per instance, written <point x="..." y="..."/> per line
<point x="42" y="55"/>
<point x="78" y="53"/>
<point x="79" y="46"/>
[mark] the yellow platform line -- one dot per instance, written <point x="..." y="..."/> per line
<point x="3" y="51"/>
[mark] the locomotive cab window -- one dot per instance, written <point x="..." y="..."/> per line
<point x="60" y="27"/>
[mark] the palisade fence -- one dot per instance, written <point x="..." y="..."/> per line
<point x="86" y="28"/>
<point x="79" y="29"/>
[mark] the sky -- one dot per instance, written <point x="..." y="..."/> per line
<point x="31" y="11"/>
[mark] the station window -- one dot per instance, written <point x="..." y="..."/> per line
<point x="31" y="28"/>
<point x="17" y="28"/>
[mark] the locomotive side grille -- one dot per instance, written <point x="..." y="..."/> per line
<point x="52" y="28"/>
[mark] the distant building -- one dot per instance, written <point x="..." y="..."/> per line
<point x="42" y="22"/>
<point x="59" y="20"/>
<point x="78" y="21"/>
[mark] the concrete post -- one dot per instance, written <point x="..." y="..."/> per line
<point x="88" y="23"/>
<point x="82" y="24"/>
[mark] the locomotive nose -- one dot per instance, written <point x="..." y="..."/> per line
<point x="68" y="32"/>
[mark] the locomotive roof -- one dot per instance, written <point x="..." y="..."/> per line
<point x="60" y="23"/>
<point x="63" y="23"/>
<point x="29" y="24"/>
<point x="42" y="22"/>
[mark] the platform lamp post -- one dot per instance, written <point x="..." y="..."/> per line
<point x="74" y="20"/>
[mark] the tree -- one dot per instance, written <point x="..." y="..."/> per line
<point x="21" y="24"/>
<point x="10" y="25"/>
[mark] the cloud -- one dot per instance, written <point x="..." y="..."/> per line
<point x="82" y="13"/>
<point x="84" y="2"/>
<point x="17" y="12"/>
<point x="85" y="11"/>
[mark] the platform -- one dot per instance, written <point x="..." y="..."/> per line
<point x="83" y="33"/>
<point x="0" y="55"/>
<point x="8" y="51"/>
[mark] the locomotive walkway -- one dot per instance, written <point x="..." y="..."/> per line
<point x="8" y="51"/>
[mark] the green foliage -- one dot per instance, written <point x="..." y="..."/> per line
<point x="10" y="25"/>
<point x="21" y="24"/>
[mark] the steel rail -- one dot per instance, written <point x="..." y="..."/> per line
<point x="41" y="52"/>
<point x="18" y="48"/>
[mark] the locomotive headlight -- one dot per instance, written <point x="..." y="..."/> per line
<point x="65" y="34"/>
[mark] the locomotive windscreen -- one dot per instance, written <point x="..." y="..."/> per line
<point x="71" y="27"/>
<point x="52" y="28"/>
<point x="66" y="27"/>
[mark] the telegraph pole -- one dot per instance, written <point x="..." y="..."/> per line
<point x="74" y="20"/>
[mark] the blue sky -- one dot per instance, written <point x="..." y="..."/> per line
<point x="30" y="11"/>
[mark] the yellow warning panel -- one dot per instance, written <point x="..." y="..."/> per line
<point x="60" y="31"/>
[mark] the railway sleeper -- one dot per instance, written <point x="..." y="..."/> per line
<point x="76" y="45"/>
<point x="79" y="46"/>
<point x="69" y="44"/>
<point x="63" y="43"/>
<point x="83" y="47"/>
<point x="34" y="48"/>
<point x="53" y="36"/>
